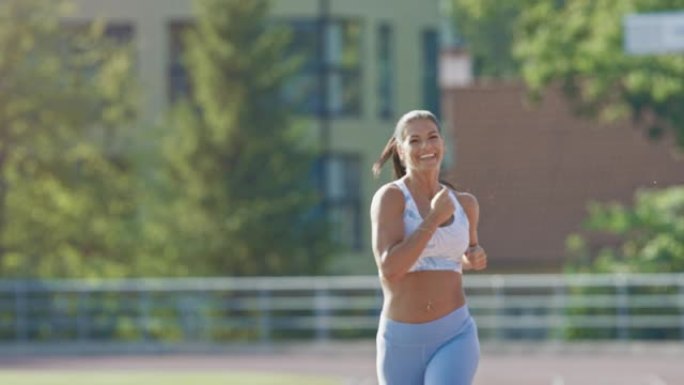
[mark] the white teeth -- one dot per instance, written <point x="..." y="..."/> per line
<point x="427" y="156"/>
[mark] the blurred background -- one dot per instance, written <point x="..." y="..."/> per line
<point x="184" y="185"/>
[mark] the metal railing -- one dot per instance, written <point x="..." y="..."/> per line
<point x="219" y="310"/>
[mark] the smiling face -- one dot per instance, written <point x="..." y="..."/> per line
<point x="421" y="146"/>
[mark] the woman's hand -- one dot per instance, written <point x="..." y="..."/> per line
<point x="476" y="257"/>
<point x="441" y="206"/>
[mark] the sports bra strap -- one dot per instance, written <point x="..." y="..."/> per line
<point x="404" y="189"/>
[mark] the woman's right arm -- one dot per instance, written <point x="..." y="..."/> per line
<point x="394" y="253"/>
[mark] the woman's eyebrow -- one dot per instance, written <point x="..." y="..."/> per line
<point x="423" y="134"/>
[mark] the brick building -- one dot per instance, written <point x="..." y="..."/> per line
<point x="534" y="168"/>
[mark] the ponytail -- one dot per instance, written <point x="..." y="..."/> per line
<point x="390" y="151"/>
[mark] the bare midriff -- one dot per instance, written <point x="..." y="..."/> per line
<point x="423" y="296"/>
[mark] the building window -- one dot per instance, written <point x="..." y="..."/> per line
<point x="339" y="64"/>
<point x="301" y="89"/>
<point x="120" y="34"/>
<point x="385" y="51"/>
<point x="344" y="67"/>
<point x="75" y="40"/>
<point x="342" y="197"/>
<point x="179" y="80"/>
<point x="431" y="94"/>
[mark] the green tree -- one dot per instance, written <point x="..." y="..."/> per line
<point x="486" y="27"/>
<point x="579" y="45"/>
<point x="645" y="238"/>
<point x="65" y="185"/>
<point x="239" y="185"/>
<point x="648" y="238"/>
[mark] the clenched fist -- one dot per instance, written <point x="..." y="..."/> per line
<point x="441" y="206"/>
<point x="476" y="257"/>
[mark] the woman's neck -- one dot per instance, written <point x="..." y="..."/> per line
<point x="423" y="183"/>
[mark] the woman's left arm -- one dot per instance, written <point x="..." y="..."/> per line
<point x="475" y="257"/>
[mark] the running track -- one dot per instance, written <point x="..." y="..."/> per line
<point x="509" y="364"/>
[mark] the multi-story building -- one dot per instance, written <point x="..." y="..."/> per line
<point x="378" y="59"/>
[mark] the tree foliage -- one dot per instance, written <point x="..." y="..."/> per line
<point x="646" y="238"/>
<point x="66" y="197"/>
<point x="649" y="237"/>
<point x="486" y="27"/>
<point x="579" y="45"/>
<point x="242" y="200"/>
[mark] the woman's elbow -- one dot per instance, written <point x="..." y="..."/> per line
<point x="390" y="272"/>
<point x="391" y="276"/>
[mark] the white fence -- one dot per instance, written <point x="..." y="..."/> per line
<point x="218" y="310"/>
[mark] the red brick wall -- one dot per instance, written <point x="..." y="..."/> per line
<point x="535" y="168"/>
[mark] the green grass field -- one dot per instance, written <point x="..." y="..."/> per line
<point x="59" y="377"/>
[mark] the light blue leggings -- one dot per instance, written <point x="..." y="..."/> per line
<point x="445" y="351"/>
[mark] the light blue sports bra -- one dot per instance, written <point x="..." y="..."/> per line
<point x="447" y="245"/>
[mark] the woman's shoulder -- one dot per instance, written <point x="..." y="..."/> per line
<point x="388" y="194"/>
<point x="466" y="199"/>
<point x="390" y="189"/>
